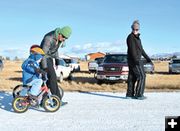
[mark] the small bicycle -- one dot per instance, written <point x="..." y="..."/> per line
<point x="49" y="102"/>
<point x="17" y="90"/>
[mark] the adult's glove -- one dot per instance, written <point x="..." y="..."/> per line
<point x="44" y="75"/>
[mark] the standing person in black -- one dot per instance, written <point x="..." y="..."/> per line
<point x="137" y="74"/>
<point x="50" y="44"/>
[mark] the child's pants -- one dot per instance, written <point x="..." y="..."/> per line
<point x="36" y="86"/>
<point x="35" y="89"/>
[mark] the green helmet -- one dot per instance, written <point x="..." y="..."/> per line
<point x="65" y="31"/>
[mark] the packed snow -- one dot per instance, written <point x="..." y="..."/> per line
<point x="94" y="111"/>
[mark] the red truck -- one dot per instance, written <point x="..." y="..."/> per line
<point x="114" y="68"/>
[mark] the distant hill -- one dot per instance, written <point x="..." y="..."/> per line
<point x="162" y="55"/>
<point x="165" y="55"/>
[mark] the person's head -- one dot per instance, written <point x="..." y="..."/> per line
<point x="31" y="48"/>
<point x="135" y="27"/>
<point x="37" y="54"/>
<point x="63" y="33"/>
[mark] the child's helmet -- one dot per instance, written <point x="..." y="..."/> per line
<point x="33" y="46"/>
<point x="37" y="50"/>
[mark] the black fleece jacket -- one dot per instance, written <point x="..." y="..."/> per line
<point x="135" y="50"/>
<point x="50" y="48"/>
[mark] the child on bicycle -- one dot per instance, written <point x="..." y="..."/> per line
<point x="32" y="72"/>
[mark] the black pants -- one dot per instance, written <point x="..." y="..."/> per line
<point x="136" y="80"/>
<point x="52" y="78"/>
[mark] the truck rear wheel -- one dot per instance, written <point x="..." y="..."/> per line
<point x="99" y="82"/>
<point x="61" y="78"/>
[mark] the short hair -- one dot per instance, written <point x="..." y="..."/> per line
<point x="135" y="22"/>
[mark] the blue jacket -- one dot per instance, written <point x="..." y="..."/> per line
<point x="29" y="67"/>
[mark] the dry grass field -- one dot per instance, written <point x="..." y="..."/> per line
<point x="83" y="81"/>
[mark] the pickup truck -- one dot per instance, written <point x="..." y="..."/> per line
<point x="113" y="68"/>
<point x="93" y="65"/>
<point x="174" y="66"/>
<point x="63" y="71"/>
<point x="1" y="65"/>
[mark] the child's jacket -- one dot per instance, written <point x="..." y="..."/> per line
<point x="29" y="68"/>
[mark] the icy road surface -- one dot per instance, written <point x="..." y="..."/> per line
<point x="94" y="112"/>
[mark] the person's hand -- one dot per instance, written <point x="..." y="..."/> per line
<point x="37" y="70"/>
<point x="45" y="69"/>
<point x="43" y="72"/>
<point x="152" y="63"/>
<point x="44" y="77"/>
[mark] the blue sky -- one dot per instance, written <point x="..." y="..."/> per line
<point x="97" y="25"/>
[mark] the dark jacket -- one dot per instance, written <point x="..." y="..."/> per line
<point x="50" y="48"/>
<point x="135" y="49"/>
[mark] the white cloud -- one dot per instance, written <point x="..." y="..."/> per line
<point x="12" y="53"/>
<point x="79" y="50"/>
<point x="86" y="48"/>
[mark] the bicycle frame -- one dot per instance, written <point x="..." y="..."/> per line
<point x="45" y="89"/>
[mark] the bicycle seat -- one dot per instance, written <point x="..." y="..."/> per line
<point x="27" y="86"/>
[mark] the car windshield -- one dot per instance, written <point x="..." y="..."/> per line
<point x="68" y="61"/>
<point x="176" y="61"/>
<point x="115" y="59"/>
<point x="74" y="61"/>
<point x="62" y="63"/>
<point x="99" y="60"/>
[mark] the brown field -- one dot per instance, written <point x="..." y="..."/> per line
<point x="83" y="81"/>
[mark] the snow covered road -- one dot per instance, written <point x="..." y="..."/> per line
<point x="94" y="112"/>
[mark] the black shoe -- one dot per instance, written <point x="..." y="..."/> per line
<point x="129" y="97"/>
<point x="63" y="103"/>
<point x="33" y="100"/>
<point x="41" y="104"/>
<point x="140" y="97"/>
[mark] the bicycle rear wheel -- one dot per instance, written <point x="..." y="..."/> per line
<point x="20" y="104"/>
<point x="17" y="90"/>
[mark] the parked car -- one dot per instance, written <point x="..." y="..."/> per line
<point x="63" y="71"/>
<point x="93" y="65"/>
<point x="1" y="65"/>
<point x="75" y="66"/>
<point x="148" y="67"/>
<point x="113" y="68"/>
<point x="174" y="66"/>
